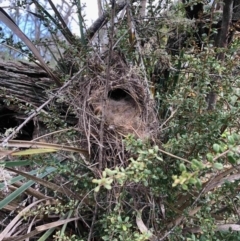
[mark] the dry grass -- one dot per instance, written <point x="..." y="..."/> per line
<point x="110" y="104"/>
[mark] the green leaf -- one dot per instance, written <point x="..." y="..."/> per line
<point x="119" y="218"/>
<point x="198" y="183"/>
<point x="96" y="181"/>
<point x="96" y="189"/>
<point x="16" y="163"/>
<point x="192" y="181"/>
<point x="182" y="167"/>
<point x="216" y="148"/>
<point x="231" y="140"/>
<point x="107" y="186"/>
<point x="210" y="157"/>
<point x="198" y="164"/>
<point x="231" y="158"/>
<point x="218" y="166"/>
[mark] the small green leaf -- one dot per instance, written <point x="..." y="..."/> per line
<point x="16" y="163"/>
<point x="236" y="137"/>
<point x="198" y="164"/>
<point x="198" y="183"/>
<point x="151" y="151"/>
<point x="231" y="140"/>
<point x="182" y="167"/>
<point x="107" y="186"/>
<point x="216" y="148"/>
<point x="192" y="181"/>
<point x="96" y="189"/>
<point x="104" y="174"/>
<point x="96" y="181"/>
<point x="210" y="157"/>
<point x="230" y="157"/>
<point x="110" y="173"/>
<point x="218" y="166"/>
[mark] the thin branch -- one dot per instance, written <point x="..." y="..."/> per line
<point x="93" y="222"/>
<point x="176" y="157"/>
<point x="103" y="19"/>
<point x="134" y="29"/>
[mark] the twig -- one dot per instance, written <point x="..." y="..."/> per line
<point x="169" y="118"/>
<point x="102" y="20"/>
<point x="134" y="29"/>
<point x="93" y="220"/>
<point x="177" y="157"/>
<point x="221" y="155"/>
<point x="105" y="94"/>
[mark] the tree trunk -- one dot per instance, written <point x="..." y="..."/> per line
<point x="24" y="86"/>
<point x="24" y="82"/>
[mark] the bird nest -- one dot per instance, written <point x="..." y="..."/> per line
<point x="111" y="104"/>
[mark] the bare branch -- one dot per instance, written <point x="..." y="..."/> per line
<point x="102" y="20"/>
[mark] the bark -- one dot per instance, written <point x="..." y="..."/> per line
<point x="23" y="81"/>
<point x="103" y="19"/>
<point x="225" y="26"/>
<point x="26" y="84"/>
<point x="222" y="43"/>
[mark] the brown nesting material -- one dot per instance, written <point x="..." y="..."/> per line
<point x="119" y="99"/>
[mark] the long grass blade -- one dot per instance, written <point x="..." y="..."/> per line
<point x="23" y="188"/>
<point x="64" y="25"/>
<point x="47" y="184"/>
<point x="60" y="26"/>
<point x="35" y="144"/>
<point x="15" y="163"/>
<point x="5" y="232"/>
<point x="42" y="228"/>
<point x="33" y="151"/>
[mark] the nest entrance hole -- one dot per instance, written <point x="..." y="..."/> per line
<point x="118" y="95"/>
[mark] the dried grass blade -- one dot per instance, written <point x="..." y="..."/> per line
<point x="54" y="224"/>
<point x="5" y="232"/>
<point x="67" y="31"/>
<point x="63" y="28"/>
<point x="33" y="144"/>
<point x="22" y="188"/>
<point x="31" y="191"/>
<point x="47" y="184"/>
<point x="142" y="227"/>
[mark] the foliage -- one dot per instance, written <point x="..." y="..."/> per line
<point x="182" y="186"/>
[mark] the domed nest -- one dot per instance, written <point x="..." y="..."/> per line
<point x="110" y="104"/>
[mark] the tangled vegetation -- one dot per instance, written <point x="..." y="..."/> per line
<point x="136" y="134"/>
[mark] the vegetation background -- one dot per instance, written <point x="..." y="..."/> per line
<point x="178" y="182"/>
